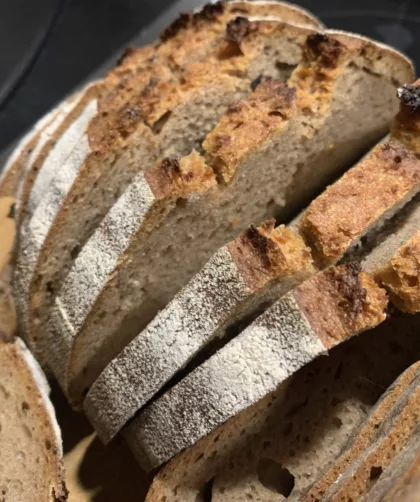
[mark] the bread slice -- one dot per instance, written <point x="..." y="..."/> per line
<point x="287" y="336"/>
<point x="101" y="293"/>
<point x="283" y="444"/>
<point x="363" y="439"/>
<point x="176" y="117"/>
<point x="30" y="439"/>
<point x="255" y="269"/>
<point x="398" y="428"/>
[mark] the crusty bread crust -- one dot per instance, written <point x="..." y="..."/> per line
<point x="286" y="337"/>
<point x="346" y="210"/>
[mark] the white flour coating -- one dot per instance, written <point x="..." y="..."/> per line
<point x="33" y="233"/>
<point x="168" y="343"/>
<point x="44" y="389"/>
<point x="253" y="364"/>
<point x="46" y="211"/>
<point x="93" y="266"/>
<point x="58" y="155"/>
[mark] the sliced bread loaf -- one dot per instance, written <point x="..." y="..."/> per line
<point x="253" y="270"/>
<point x="319" y="314"/>
<point x="177" y="116"/>
<point x="277" y="448"/>
<point x="30" y="439"/>
<point x="128" y="272"/>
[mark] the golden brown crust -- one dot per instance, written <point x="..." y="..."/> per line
<point x="341" y="302"/>
<point x="265" y="253"/>
<point x="401" y="276"/>
<point x="178" y="178"/>
<point x="247" y="124"/>
<point x="365" y="436"/>
<point x="345" y="210"/>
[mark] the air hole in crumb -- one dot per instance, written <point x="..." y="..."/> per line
<point x="337" y="422"/>
<point x="397" y="159"/>
<point x="288" y="429"/>
<point x="49" y="287"/>
<point x="275" y="477"/>
<point x="199" y="457"/>
<point x="375" y="472"/>
<point x="48" y="444"/>
<point x="205" y="493"/>
<point x="25" y="406"/>
<point x="413" y="282"/>
<point x="74" y="252"/>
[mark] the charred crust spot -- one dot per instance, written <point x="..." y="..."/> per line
<point x="180" y="23"/>
<point x="171" y="166"/>
<point x="261" y="244"/>
<point x="409" y="95"/>
<point x="256" y="82"/>
<point x="126" y="53"/>
<point x="347" y="280"/>
<point x="237" y="29"/>
<point x="327" y="50"/>
<point x="210" y="12"/>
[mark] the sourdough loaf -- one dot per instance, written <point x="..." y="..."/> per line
<point x="30" y="439"/>
<point x="145" y="265"/>
<point x="170" y="117"/>
<point x="259" y="266"/>
<point x="284" y="338"/>
<point x="280" y="446"/>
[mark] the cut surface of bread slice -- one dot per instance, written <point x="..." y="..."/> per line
<point x="287" y="336"/>
<point x="169" y="118"/>
<point x="30" y="439"/>
<point x="278" y="448"/>
<point x="364" y="438"/>
<point x="398" y="427"/>
<point x="256" y="268"/>
<point x="148" y="256"/>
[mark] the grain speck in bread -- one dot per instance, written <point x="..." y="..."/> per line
<point x="153" y="264"/>
<point x="30" y="439"/>
<point x="319" y="314"/>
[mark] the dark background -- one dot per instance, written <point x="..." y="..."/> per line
<point x="49" y="47"/>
